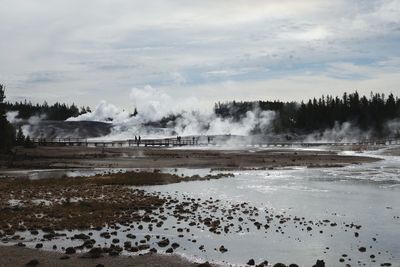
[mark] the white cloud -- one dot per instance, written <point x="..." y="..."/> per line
<point x="85" y="51"/>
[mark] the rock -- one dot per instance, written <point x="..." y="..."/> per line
<point x="70" y="250"/>
<point x="319" y="263"/>
<point x="293" y="265"/>
<point x="153" y="250"/>
<point x="143" y="247"/>
<point x="115" y="240"/>
<point x="163" y="243"/>
<point x="39" y="245"/>
<point x="205" y="264"/>
<point x="32" y="263"/>
<point x="362" y="249"/>
<point x="251" y="262"/>
<point x="170" y="250"/>
<point x="175" y="245"/>
<point x="81" y="236"/>
<point x="131" y="236"/>
<point x="65" y="257"/>
<point x="113" y="253"/>
<point x="262" y="264"/>
<point x="222" y="249"/>
<point x="279" y="265"/>
<point x="94" y="253"/>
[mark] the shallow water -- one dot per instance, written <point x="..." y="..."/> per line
<point x="366" y="195"/>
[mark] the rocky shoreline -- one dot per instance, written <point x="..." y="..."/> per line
<point x="102" y="217"/>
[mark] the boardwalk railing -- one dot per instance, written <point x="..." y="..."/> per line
<point x="195" y="141"/>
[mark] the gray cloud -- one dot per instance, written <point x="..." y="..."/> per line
<point x="85" y="51"/>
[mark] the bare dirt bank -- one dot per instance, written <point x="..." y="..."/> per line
<point x="17" y="256"/>
<point x="76" y="157"/>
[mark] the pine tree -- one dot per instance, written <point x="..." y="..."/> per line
<point x="20" y="139"/>
<point x="6" y="129"/>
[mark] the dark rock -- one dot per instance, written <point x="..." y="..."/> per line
<point x="131" y="236"/>
<point x="175" y="245"/>
<point x="205" y="264"/>
<point x="143" y="247"/>
<point x="65" y="257"/>
<point x="279" y="265"/>
<point x="362" y="249"/>
<point x="293" y="265"/>
<point x="170" y="250"/>
<point x="32" y="263"/>
<point x="113" y="253"/>
<point x="70" y="250"/>
<point x="81" y="236"/>
<point x="262" y="264"/>
<point x="251" y="262"/>
<point x="319" y="263"/>
<point x="163" y="243"/>
<point x="39" y="245"/>
<point x="222" y="249"/>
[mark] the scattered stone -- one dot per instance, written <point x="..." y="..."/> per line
<point x="32" y="263"/>
<point x="362" y="249"/>
<point x="163" y="243"/>
<point x="222" y="249"/>
<point x="70" y="250"/>
<point x="251" y="262"/>
<point x="175" y="245"/>
<point x="319" y="263"/>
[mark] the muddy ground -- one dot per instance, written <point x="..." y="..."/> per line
<point x="76" y="157"/>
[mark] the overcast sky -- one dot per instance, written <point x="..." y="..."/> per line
<point x="85" y="51"/>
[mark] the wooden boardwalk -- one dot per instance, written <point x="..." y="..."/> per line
<point x="194" y="141"/>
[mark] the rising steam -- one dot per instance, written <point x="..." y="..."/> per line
<point x="187" y="118"/>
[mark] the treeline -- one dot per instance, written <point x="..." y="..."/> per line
<point x="7" y="132"/>
<point x="57" y="111"/>
<point x="367" y="113"/>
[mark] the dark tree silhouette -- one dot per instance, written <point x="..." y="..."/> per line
<point x="7" y="132"/>
<point x="319" y="114"/>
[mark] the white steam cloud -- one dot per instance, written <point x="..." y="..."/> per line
<point x="155" y="104"/>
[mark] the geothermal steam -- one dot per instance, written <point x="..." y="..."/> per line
<point x="189" y="118"/>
